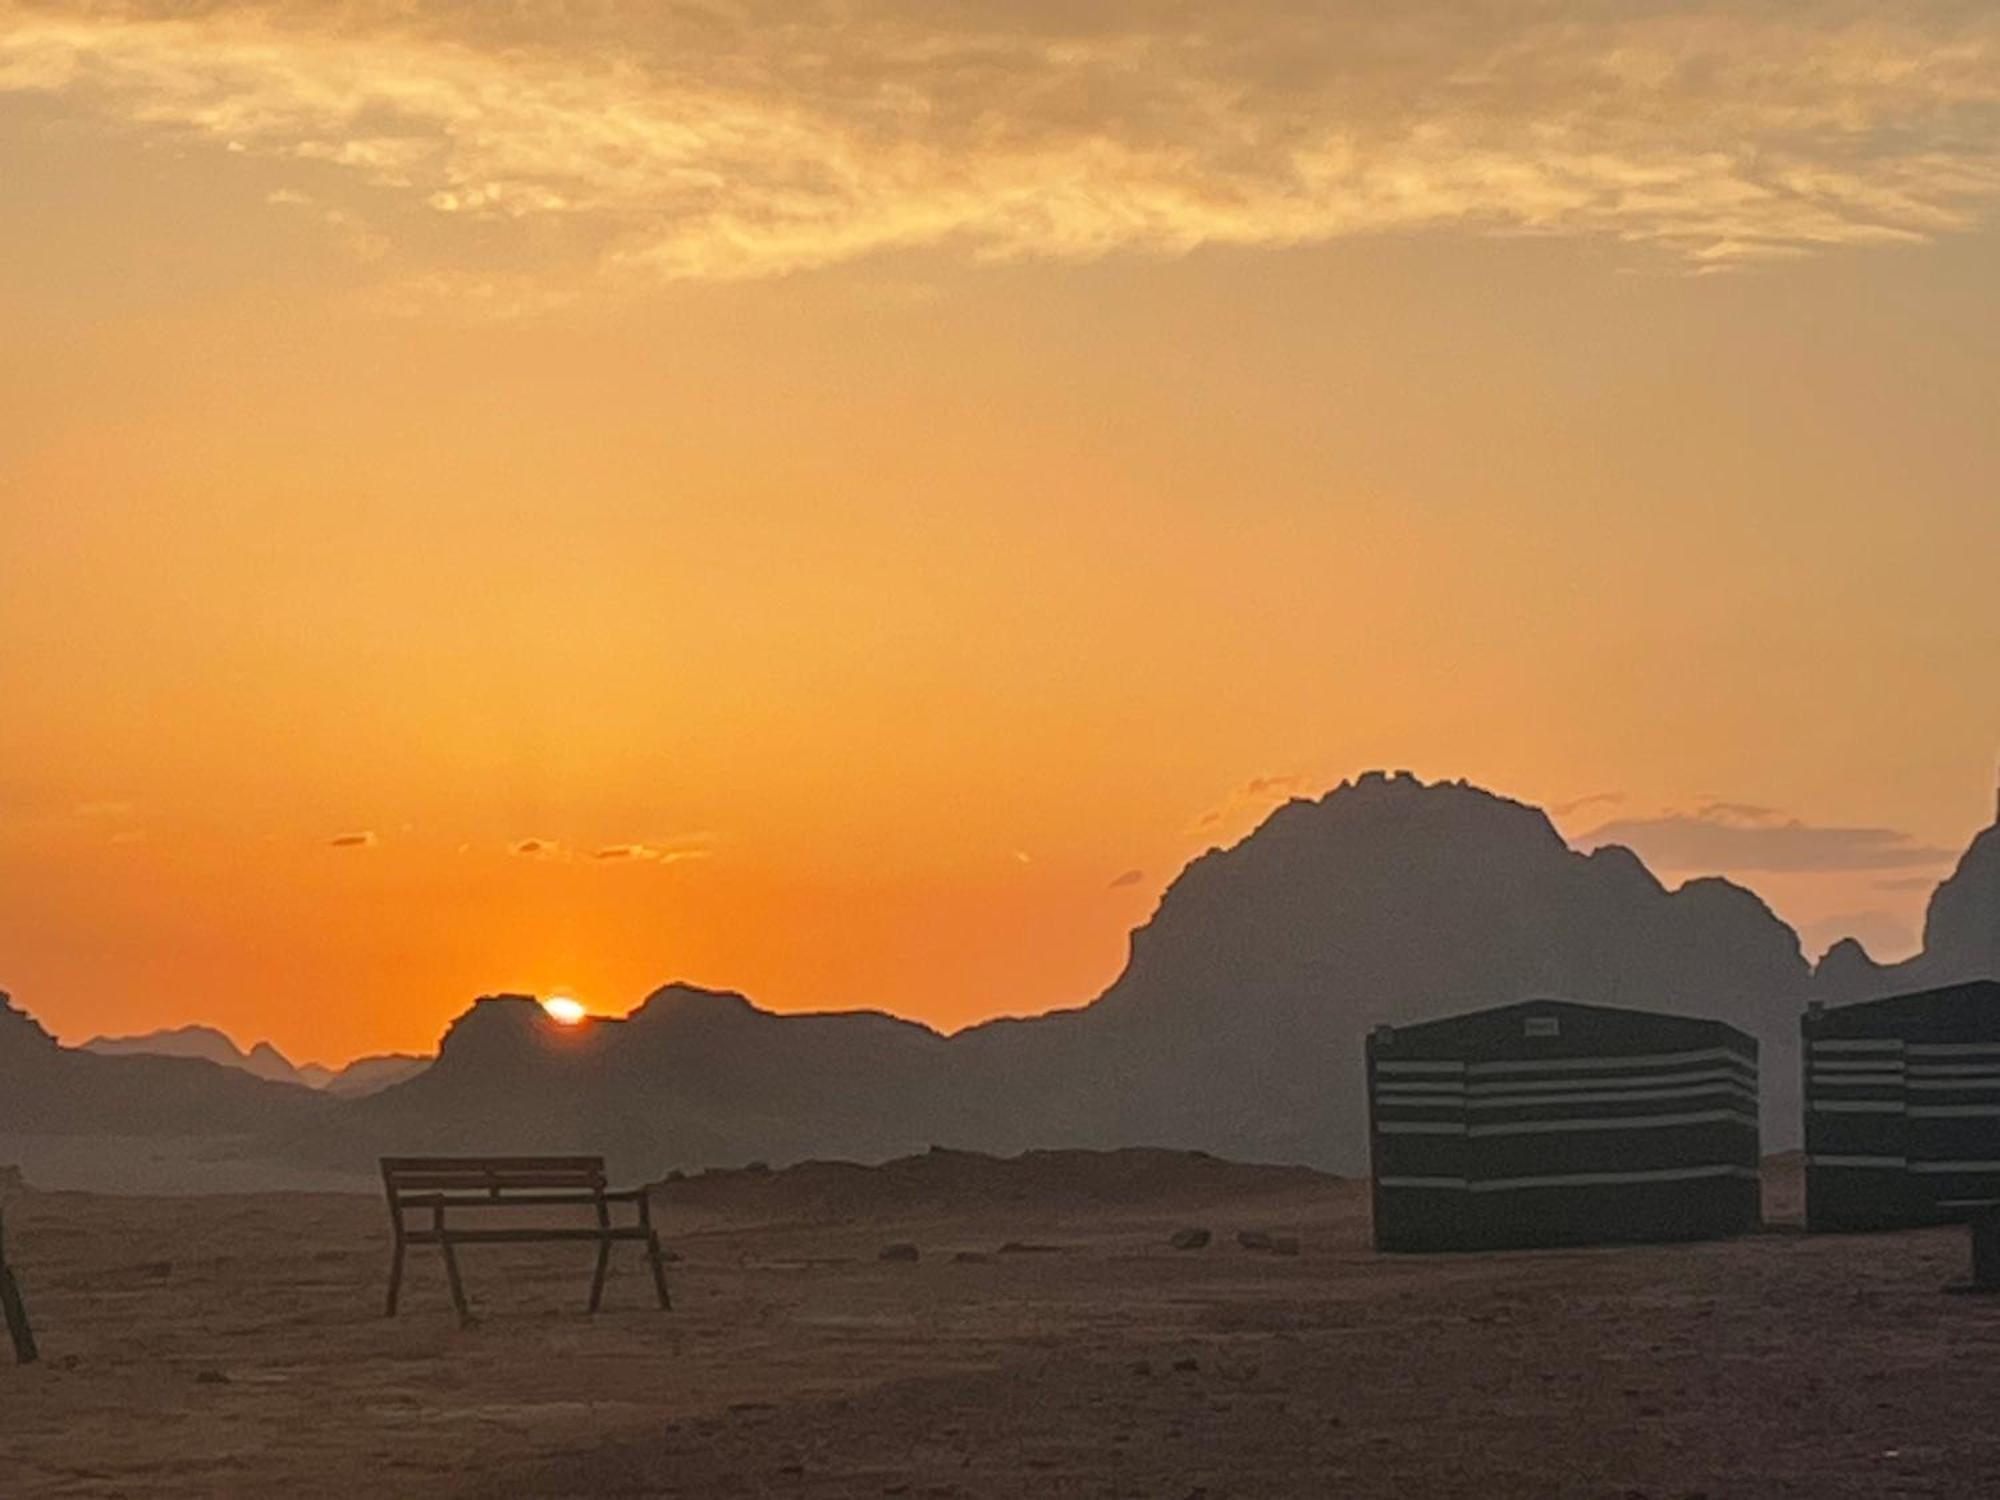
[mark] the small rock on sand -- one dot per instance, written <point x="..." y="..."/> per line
<point x="900" y="1251"/>
<point x="1254" y="1239"/>
<point x="1192" y="1238"/>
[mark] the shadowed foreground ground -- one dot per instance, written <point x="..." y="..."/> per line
<point x="234" y="1346"/>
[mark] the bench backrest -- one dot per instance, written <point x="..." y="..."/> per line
<point x="494" y="1178"/>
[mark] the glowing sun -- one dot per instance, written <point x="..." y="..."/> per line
<point x="564" y="1010"/>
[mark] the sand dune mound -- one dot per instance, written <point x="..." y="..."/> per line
<point x="945" y="1182"/>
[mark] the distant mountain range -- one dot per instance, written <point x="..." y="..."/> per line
<point x="48" y="1089"/>
<point x="365" y="1075"/>
<point x="1235" y="1028"/>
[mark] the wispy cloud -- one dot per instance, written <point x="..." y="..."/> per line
<point x="1578" y="804"/>
<point x="360" y="839"/>
<point x="646" y="854"/>
<point x="1738" y="837"/>
<point x="533" y="848"/>
<point x="1130" y="877"/>
<point x="1254" y="796"/>
<point x="701" y="141"/>
<point x="1908" y="883"/>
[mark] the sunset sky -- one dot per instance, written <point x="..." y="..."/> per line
<point x="841" y="501"/>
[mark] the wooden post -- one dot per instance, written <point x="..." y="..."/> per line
<point x="1985" y="1232"/>
<point x="16" y="1311"/>
<point x="1986" y="1250"/>
<point x="451" y="1265"/>
<point x="603" y="1251"/>
<point x="653" y="1247"/>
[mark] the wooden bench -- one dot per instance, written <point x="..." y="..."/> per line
<point x="15" y="1310"/>
<point x="434" y="1188"/>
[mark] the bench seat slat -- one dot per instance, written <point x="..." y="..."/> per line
<point x="509" y="1199"/>
<point x="493" y="1163"/>
<point x="429" y="1183"/>
<point x="524" y="1236"/>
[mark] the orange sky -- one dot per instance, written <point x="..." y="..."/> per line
<point x="894" y="502"/>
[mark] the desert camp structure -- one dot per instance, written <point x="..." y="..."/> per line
<point x="1555" y="1123"/>
<point x="1902" y="1108"/>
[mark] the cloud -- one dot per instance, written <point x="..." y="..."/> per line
<point x="1254" y="796"/>
<point x="532" y="848"/>
<point x="1908" y="883"/>
<point x="1130" y="877"/>
<point x="646" y="853"/>
<point x="1264" y="786"/>
<point x="1738" y="837"/>
<point x="1578" y="804"/>
<point x="362" y="839"/>
<point x="718" y="142"/>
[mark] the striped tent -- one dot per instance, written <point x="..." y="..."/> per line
<point x="1902" y="1108"/>
<point x="1553" y="1123"/>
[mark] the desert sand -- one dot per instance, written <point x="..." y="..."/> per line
<point x="234" y="1345"/>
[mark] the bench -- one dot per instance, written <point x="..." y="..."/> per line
<point x="15" y="1310"/>
<point x="435" y="1189"/>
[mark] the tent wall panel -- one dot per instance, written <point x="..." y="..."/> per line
<point x="1902" y="1108"/>
<point x="1552" y="1123"/>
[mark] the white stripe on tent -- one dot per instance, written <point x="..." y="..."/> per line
<point x="1615" y="1179"/>
<point x="1635" y="1081"/>
<point x="1420" y="1067"/>
<point x="1948" y="1168"/>
<point x="1571" y="1179"/>
<point x="1519" y="1101"/>
<point x="1857" y="1046"/>
<point x="1954" y="1049"/>
<point x="1402" y="1086"/>
<point x="1856" y="1106"/>
<point x="1955" y="1112"/>
<point x="1867" y="1163"/>
<point x="1416" y="1101"/>
<point x="1649" y="1060"/>
<point x="1628" y="1122"/>
<point x="1419" y="1127"/>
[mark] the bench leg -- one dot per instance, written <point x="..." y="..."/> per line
<point x="457" y="1286"/>
<point x="395" y="1278"/>
<point x="659" y="1271"/>
<point x="603" y="1269"/>
<point x="17" y="1318"/>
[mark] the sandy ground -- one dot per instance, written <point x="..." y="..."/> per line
<point x="235" y="1346"/>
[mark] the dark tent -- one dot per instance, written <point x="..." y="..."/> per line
<point x="1903" y="1108"/>
<point x="1553" y="1123"/>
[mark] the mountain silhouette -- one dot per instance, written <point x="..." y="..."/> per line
<point x="1236" y="1027"/>
<point x="1961" y="937"/>
<point x="364" y="1075"/>
<point x="49" y="1089"/>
